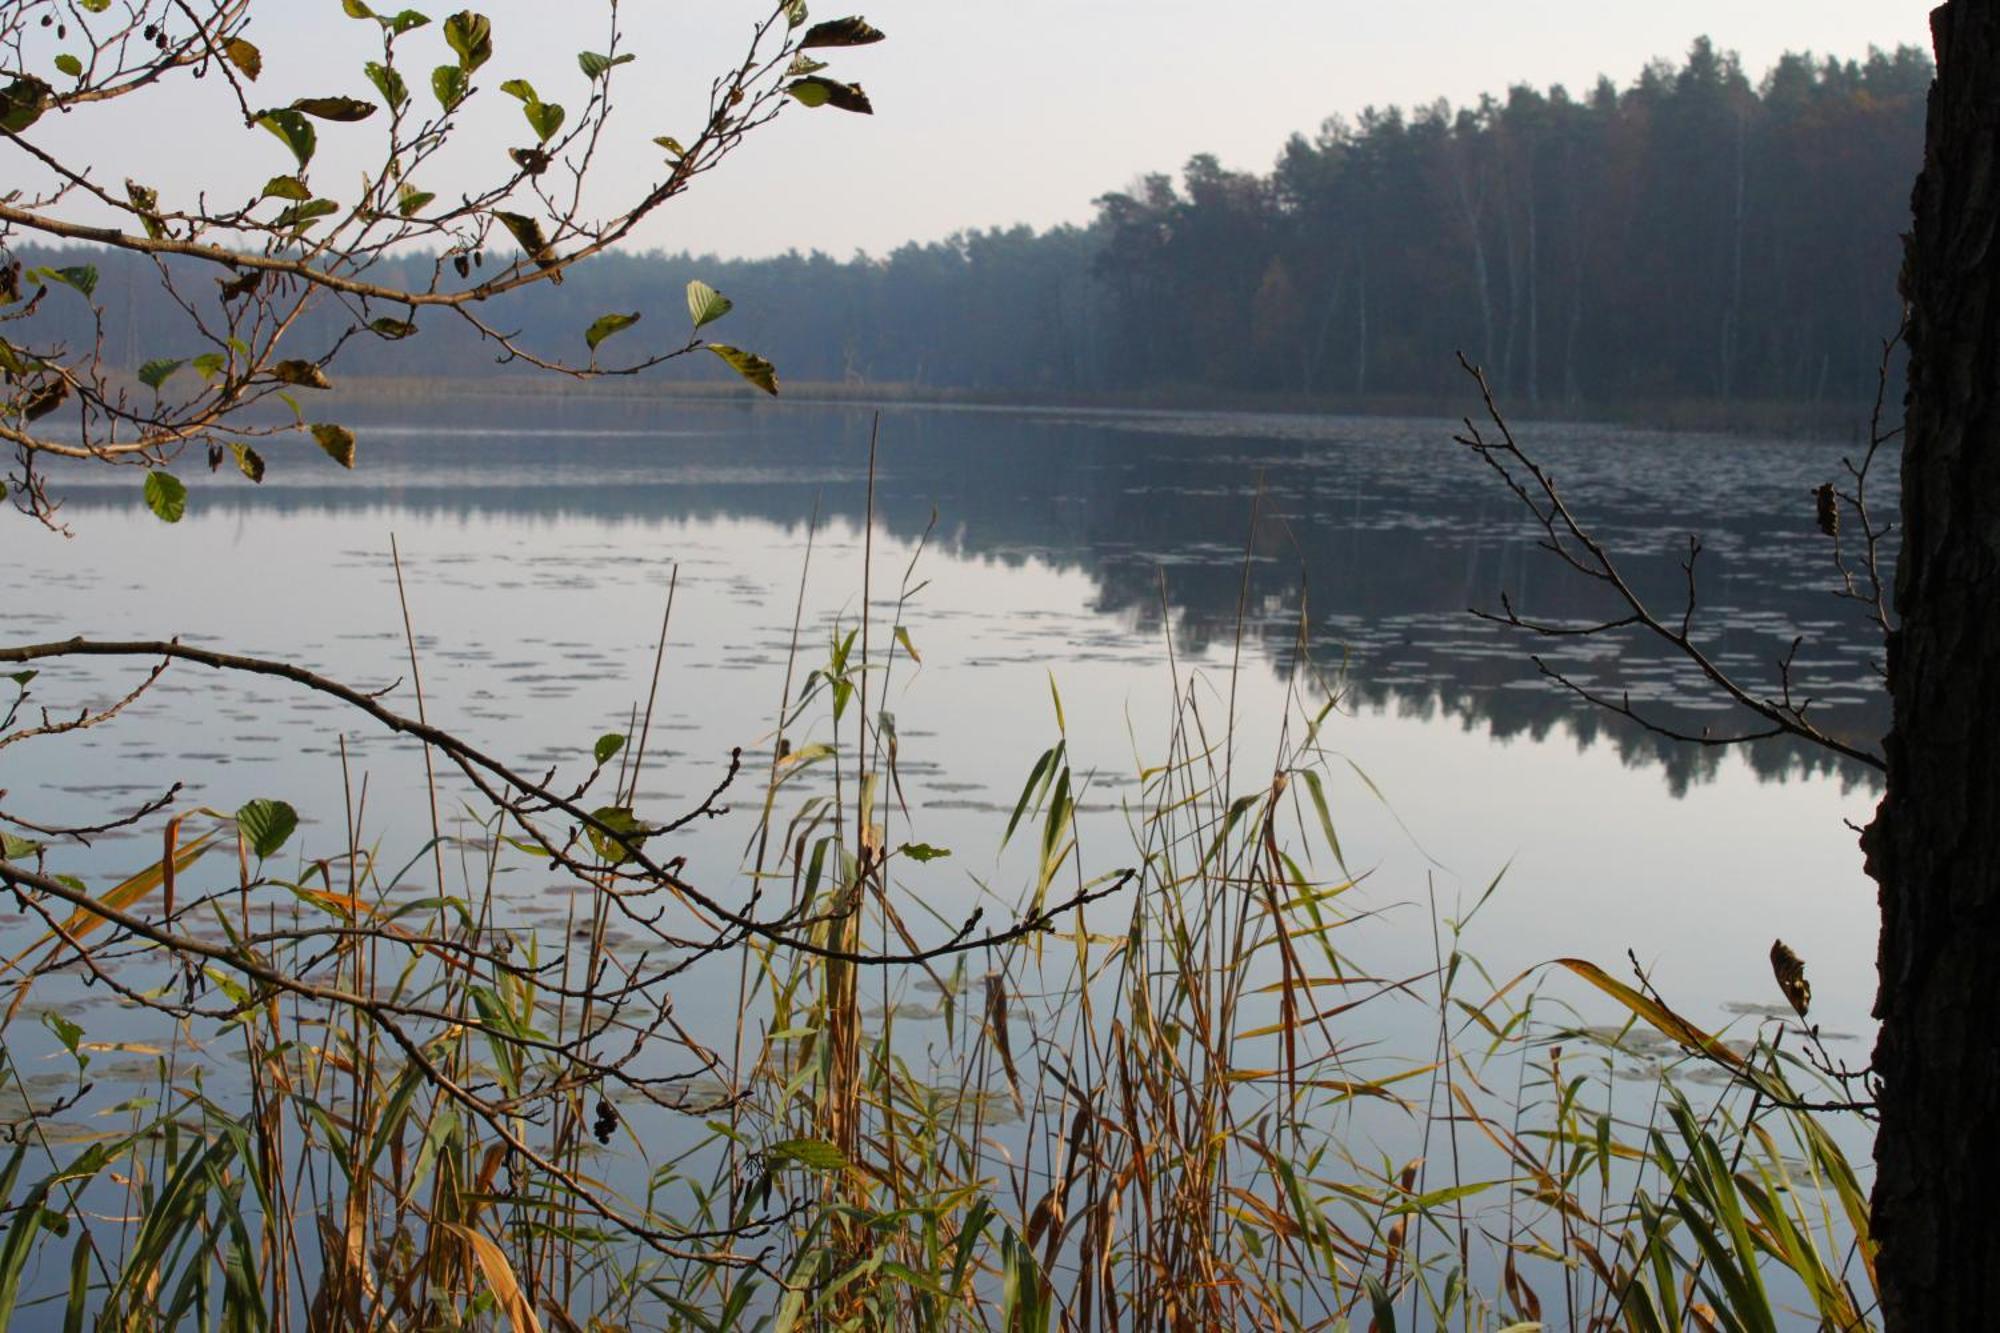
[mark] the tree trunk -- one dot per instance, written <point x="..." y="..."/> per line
<point x="1934" y="847"/>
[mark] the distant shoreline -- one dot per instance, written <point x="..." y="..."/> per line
<point x="1783" y="419"/>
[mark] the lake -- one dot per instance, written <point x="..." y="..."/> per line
<point x="1098" y="577"/>
<point x="1100" y="552"/>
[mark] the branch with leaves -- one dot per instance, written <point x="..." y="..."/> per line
<point x="299" y="245"/>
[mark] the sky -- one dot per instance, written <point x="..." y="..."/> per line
<point x="985" y="114"/>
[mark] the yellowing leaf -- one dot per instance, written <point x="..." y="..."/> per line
<point x="245" y="56"/>
<point x="123" y="897"/>
<point x="338" y="441"/>
<point x="749" y="365"/>
<point x="499" y="1275"/>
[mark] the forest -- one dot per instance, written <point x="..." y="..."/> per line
<point x="1696" y="235"/>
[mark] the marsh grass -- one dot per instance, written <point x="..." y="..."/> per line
<point x="1196" y="1103"/>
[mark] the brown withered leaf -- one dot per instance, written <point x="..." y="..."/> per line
<point x="1790" y="970"/>
<point x="1828" y="504"/>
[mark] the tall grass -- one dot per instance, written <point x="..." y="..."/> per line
<point x="1191" y="1103"/>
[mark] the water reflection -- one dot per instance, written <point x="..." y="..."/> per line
<point x="1368" y="540"/>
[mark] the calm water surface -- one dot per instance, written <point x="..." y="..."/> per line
<point x="1105" y="552"/>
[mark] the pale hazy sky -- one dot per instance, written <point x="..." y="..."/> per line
<point x="986" y="113"/>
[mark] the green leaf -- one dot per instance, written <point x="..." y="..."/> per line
<point x="304" y="373"/>
<point x="345" y="110"/>
<point x="815" y="90"/>
<point x="841" y="32"/>
<point x="672" y="145"/>
<point x="22" y="678"/>
<point x="528" y="235"/>
<point x="248" y="461"/>
<point x="410" y="199"/>
<point x="22" y="103"/>
<point x="923" y="851"/>
<point x="393" y="329"/>
<point x="395" y="25"/>
<point x="795" y="12"/>
<point x="17" y="849"/>
<point x="146" y="203"/>
<point x="300" y="216"/>
<point x="545" y="118"/>
<point x="245" y="56"/>
<point x="82" y="277"/>
<point x="295" y="130"/>
<point x="812" y="1154"/>
<point x="286" y="187"/>
<point x="388" y="82"/>
<point x="470" y="37"/>
<point x="903" y="637"/>
<point x="70" y="65"/>
<point x="595" y="66"/>
<point x="67" y="1032"/>
<point x="705" y="304"/>
<point x="166" y="496"/>
<point x="630" y="833"/>
<point x="266" y="826"/>
<point x="154" y="373"/>
<point x="449" y="84"/>
<point x="338" y="441"/>
<point x="606" y="325"/>
<point x="608" y="745"/>
<point x="749" y="365"/>
<point x="209" y="364"/>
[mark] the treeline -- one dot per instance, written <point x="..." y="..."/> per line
<point x="1693" y="235"/>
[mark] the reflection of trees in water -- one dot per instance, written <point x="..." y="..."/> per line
<point x="1381" y="533"/>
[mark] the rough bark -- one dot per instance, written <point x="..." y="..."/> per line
<point x="1934" y="848"/>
